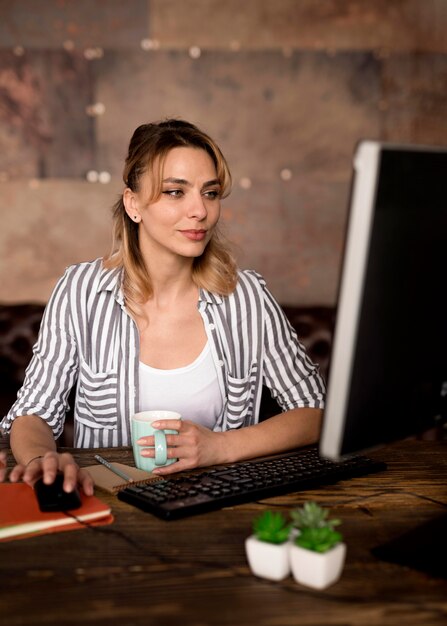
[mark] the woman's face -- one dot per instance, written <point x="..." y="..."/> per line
<point x="182" y="220"/>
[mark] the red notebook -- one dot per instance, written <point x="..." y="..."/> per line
<point x="21" y="517"/>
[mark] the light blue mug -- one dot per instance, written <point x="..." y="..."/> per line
<point x="141" y="426"/>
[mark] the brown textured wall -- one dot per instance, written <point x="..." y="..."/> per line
<point x="286" y="87"/>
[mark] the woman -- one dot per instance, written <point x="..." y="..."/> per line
<point x="166" y="322"/>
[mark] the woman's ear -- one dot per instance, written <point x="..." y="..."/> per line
<point x="131" y="205"/>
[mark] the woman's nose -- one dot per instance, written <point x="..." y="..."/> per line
<point x="197" y="207"/>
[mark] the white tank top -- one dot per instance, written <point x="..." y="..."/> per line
<point x="193" y="391"/>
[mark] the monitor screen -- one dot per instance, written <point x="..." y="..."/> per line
<point x="388" y="369"/>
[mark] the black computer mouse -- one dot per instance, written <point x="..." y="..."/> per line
<point x="53" y="498"/>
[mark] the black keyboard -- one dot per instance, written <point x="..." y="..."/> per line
<point x="227" y="485"/>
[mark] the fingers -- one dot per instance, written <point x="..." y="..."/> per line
<point x="47" y="468"/>
<point x="186" y="458"/>
<point x="70" y="469"/>
<point x="169" y="424"/>
<point x="172" y="442"/>
<point x="184" y="463"/>
<point x="146" y="441"/>
<point x="16" y="473"/>
<point x="2" y="465"/>
<point x="73" y="475"/>
<point x="183" y="446"/>
<point x="86" y="482"/>
<point x="183" y="427"/>
<point x="170" y="469"/>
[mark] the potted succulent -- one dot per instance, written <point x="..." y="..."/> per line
<point x="267" y="549"/>
<point x="318" y="553"/>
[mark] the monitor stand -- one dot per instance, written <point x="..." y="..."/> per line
<point x="423" y="548"/>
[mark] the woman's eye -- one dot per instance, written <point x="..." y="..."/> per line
<point x="174" y="193"/>
<point x="212" y="194"/>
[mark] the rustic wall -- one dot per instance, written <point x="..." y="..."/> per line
<point x="286" y="87"/>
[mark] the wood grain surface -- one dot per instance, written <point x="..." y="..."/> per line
<point x="142" y="570"/>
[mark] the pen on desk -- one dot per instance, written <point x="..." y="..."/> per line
<point x="113" y="469"/>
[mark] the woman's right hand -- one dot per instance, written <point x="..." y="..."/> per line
<point x="48" y="465"/>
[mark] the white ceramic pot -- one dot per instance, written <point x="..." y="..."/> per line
<point x="317" y="569"/>
<point x="268" y="560"/>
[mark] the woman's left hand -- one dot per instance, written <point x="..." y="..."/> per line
<point x="2" y="465"/>
<point x="194" y="446"/>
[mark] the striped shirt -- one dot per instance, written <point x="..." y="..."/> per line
<point x="88" y="338"/>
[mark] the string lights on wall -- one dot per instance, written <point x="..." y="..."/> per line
<point x="97" y="109"/>
<point x="195" y="52"/>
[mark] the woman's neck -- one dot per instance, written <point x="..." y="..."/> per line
<point x="171" y="282"/>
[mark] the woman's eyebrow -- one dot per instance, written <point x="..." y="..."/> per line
<point x="176" y="181"/>
<point x="182" y="181"/>
<point x="211" y="183"/>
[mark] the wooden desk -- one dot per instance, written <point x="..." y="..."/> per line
<point x="194" y="571"/>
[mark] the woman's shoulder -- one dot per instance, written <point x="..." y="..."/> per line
<point x="93" y="264"/>
<point x="253" y="289"/>
<point x="92" y="274"/>
<point x="249" y="282"/>
<point x="91" y="268"/>
<point x="250" y="288"/>
<point x="251" y="277"/>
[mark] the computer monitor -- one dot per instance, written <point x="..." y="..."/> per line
<point x="388" y="368"/>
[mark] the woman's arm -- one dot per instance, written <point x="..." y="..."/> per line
<point x="286" y="431"/>
<point x="34" y="448"/>
<point x="31" y="437"/>
<point x="53" y="368"/>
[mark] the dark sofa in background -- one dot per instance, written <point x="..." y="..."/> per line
<point x="19" y="326"/>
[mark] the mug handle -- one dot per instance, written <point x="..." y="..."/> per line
<point x="161" y="452"/>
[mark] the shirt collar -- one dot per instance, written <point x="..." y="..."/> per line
<point x="209" y="297"/>
<point x="111" y="280"/>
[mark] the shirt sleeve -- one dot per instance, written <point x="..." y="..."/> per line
<point x="53" y="368"/>
<point x="293" y="379"/>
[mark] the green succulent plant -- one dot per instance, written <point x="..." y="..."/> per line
<point x="318" y="539"/>
<point x="316" y="530"/>
<point x="271" y="527"/>
<point x="312" y="515"/>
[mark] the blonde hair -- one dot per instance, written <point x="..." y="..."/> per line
<point x="215" y="270"/>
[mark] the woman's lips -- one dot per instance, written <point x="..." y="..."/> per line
<point x="194" y="235"/>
